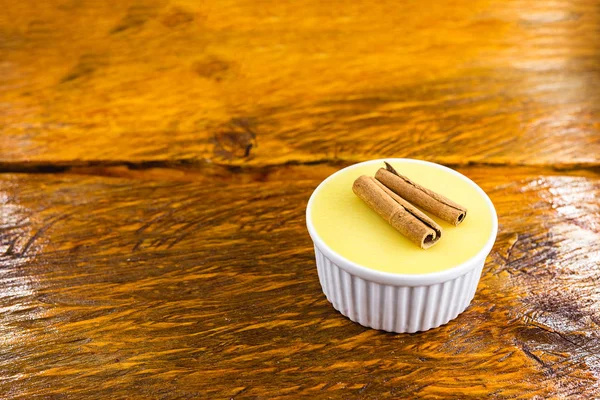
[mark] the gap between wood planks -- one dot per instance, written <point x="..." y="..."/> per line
<point x="186" y="169"/>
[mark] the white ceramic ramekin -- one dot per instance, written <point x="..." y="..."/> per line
<point x="398" y="302"/>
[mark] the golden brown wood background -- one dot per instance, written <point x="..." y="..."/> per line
<point x="157" y="157"/>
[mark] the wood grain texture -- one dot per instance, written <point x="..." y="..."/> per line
<point x="113" y="288"/>
<point x="163" y="253"/>
<point x="230" y="82"/>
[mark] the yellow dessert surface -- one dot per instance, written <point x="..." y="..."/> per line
<point x="354" y="231"/>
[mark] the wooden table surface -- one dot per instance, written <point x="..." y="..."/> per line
<point x="156" y="160"/>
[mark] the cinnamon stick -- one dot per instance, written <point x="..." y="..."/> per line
<point x="422" y="197"/>
<point x="404" y="217"/>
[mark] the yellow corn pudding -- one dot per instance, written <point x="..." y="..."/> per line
<point x="354" y="231"/>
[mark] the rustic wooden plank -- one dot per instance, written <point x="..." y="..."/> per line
<point x="172" y="289"/>
<point x="231" y="82"/>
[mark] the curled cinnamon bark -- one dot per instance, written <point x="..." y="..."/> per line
<point x="404" y="217"/>
<point x="420" y="196"/>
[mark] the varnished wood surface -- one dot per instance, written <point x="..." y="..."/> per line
<point x="236" y="82"/>
<point x="114" y="287"/>
<point x="153" y="242"/>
